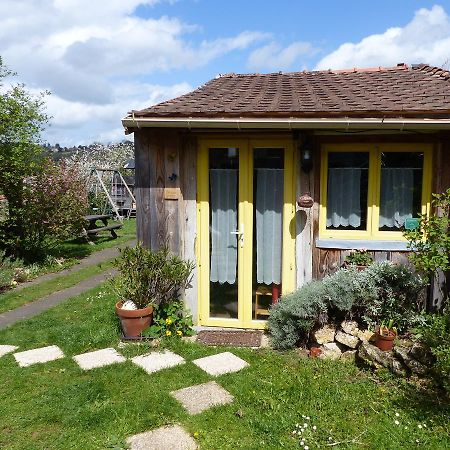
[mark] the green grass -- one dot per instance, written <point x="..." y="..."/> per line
<point x="80" y="248"/>
<point x="15" y="298"/>
<point x="56" y="405"/>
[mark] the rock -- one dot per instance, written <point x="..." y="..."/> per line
<point x="325" y="334"/>
<point x="330" y="351"/>
<point x="347" y="339"/>
<point x="350" y="327"/>
<point x="376" y="358"/>
<point x="366" y="335"/>
<point x="349" y="355"/>
<point x="412" y="364"/>
<point x="421" y="354"/>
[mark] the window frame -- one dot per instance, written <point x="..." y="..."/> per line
<point x="373" y="189"/>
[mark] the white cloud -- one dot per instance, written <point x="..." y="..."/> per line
<point x="426" y="39"/>
<point x="93" y="55"/>
<point x="274" y="57"/>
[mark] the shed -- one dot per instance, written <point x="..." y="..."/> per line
<point x="267" y="181"/>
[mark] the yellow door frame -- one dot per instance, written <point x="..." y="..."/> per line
<point x="245" y="219"/>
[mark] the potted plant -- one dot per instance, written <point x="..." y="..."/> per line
<point x="385" y="335"/>
<point x="146" y="279"/>
<point x="360" y="258"/>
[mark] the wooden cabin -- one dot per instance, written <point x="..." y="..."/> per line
<point x="267" y="181"/>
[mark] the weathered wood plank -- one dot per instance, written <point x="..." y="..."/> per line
<point x="142" y="187"/>
<point x="188" y="216"/>
<point x="304" y="232"/>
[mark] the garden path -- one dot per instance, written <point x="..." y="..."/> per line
<point x="36" y="307"/>
<point x="194" y="399"/>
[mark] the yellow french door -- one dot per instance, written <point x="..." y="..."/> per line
<point x="246" y="229"/>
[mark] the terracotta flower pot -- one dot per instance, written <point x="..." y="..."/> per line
<point x="314" y="352"/>
<point x="134" y="321"/>
<point x="385" y="342"/>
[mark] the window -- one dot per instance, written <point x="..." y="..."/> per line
<point x="368" y="191"/>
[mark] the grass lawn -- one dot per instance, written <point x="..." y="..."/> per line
<point x="15" y="298"/>
<point x="79" y="248"/>
<point x="57" y="406"/>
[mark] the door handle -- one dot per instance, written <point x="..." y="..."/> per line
<point x="240" y="234"/>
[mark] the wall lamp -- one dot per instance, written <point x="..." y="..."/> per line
<point x="305" y="148"/>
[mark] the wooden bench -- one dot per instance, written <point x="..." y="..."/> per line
<point x="94" y="231"/>
<point x="92" y="228"/>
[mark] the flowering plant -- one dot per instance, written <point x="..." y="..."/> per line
<point x="170" y="320"/>
<point x="359" y="258"/>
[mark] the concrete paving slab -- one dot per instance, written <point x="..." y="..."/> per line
<point x="5" y="349"/>
<point x="38" y="355"/>
<point x="99" y="358"/>
<point x="220" y="364"/>
<point x="155" y="361"/>
<point x="171" y="437"/>
<point x="201" y="397"/>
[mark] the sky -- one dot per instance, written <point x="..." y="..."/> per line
<point x="103" y="58"/>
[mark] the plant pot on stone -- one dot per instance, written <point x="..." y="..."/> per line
<point x="146" y="279"/>
<point x="385" y="336"/>
<point x="359" y="258"/>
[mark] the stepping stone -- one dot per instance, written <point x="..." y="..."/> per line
<point x="221" y="363"/>
<point x="5" y="349"/>
<point x="38" y="355"/>
<point x="98" y="358"/>
<point x="201" y="397"/>
<point x="172" y="437"/>
<point x="155" y="361"/>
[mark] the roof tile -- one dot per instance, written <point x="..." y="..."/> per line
<point x="399" y="91"/>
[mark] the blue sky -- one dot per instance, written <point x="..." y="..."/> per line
<point x="101" y="58"/>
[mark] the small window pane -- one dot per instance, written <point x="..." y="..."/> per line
<point x="348" y="174"/>
<point x="401" y="189"/>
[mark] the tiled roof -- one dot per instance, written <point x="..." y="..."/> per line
<point x="419" y="91"/>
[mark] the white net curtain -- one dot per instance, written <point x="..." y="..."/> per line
<point x="344" y="198"/>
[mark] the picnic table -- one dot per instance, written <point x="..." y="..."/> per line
<point x="92" y="227"/>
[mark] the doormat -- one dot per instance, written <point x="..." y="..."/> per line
<point x="233" y="338"/>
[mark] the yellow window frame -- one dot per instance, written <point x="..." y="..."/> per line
<point x="374" y="188"/>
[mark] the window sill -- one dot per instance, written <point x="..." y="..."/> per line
<point x="372" y="245"/>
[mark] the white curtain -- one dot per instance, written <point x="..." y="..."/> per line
<point x="344" y="200"/>
<point x="396" y="202"/>
<point x="223" y="203"/>
<point x="269" y="208"/>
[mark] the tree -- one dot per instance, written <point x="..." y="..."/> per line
<point x="22" y="118"/>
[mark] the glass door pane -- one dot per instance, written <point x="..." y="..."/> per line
<point x="223" y="232"/>
<point x="268" y="201"/>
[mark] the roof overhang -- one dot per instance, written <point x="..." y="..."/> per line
<point x="131" y="122"/>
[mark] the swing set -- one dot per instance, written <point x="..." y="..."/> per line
<point x="109" y="193"/>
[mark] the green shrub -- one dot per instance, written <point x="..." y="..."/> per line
<point x="295" y="315"/>
<point x="382" y="292"/>
<point x="150" y="278"/>
<point x="359" y="258"/>
<point x="170" y="320"/>
<point x="52" y="208"/>
<point x="399" y="296"/>
<point x="435" y="335"/>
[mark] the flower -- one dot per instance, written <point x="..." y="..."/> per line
<point x="397" y="422"/>
<point x="168" y="333"/>
<point x="168" y="321"/>
<point x="196" y="434"/>
<point x="179" y="333"/>
<point x="397" y="415"/>
<point x="419" y="426"/>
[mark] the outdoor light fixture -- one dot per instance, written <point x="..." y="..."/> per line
<point x="306" y="155"/>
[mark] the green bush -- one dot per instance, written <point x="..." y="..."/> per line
<point x="435" y="335"/>
<point x="52" y="208"/>
<point x="399" y="296"/>
<point x="382" y="292"/>
<point x="295" y="315"/>
<point x="150" y="278"/>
